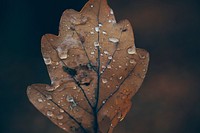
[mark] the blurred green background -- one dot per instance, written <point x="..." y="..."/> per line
<point x="169" y="99"/>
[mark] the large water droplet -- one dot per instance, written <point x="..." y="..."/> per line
<point x="48" y="88"/>
<point x="62" y="53"/>
<point x="106" y="52"/>
<point x="97" y="29"/>
<point x="40" y="100"/>
<point x="113" y="40"/>
<point x="49" y="113"/>
<point x="60" y="117"/>
<point x="109" y="66"/>
<point x="96" y="44"/>
<point x="110" y="57"/>
<point x="47" y="61"/>
<point x="131" y="50"/>
<point x="104" y="81"/>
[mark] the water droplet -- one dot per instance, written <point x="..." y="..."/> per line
<point x="100" y="25"/>
<point x="97" y="29"/>
<point x="48" y="88"/>
<point x="49" y="97"/>
<point x="74" y="88"/>
<point x="131" y="50"/>
<point x="110" y="57"/>
<point x="61" y="124"/>
<point x="104" y="102"/>
<point x="70" y="99"/>
<point x="91" y="6"/>
<point x="103" y="66"/>
<point x="49" y="113"/>
<point x="62" y="53"/>
<point x="109" y="21"/>
<point x="109" y="66"/>
<point x="57" y="63"/>
<point x="142" y="56"/>
<point x="120" y="77"/>
<point x="104" y="81"/>
<point x="96" y="44"/>
<point x="62" y="111"/>
<point x="113" y="40"/>
<point x="40" y="100"/>
<point x="106" y="52"/>
<point x="120" y="66"/>
<point x="104" y="32"/>
<point x="111" y="12"/>
<point x="60" y="117"/>
<point x="132" y="61"/>
<point x="92" y="52"/>
<point x="47" y="61"/>
<point x="91" y="32"/>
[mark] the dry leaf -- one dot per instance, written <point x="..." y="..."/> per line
<point x="95" y="70"/>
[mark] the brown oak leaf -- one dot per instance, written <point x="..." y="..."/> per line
<point x="94" y="68"/>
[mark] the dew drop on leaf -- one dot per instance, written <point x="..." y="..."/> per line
<point x="47" y="61"/>
<point x="60" y="123"/>
<point x="61" y="110"/>
<point x="110" y="57"/>
<point x="109" y="66"/>
<point x="62" y="53"/>
<point x="131" y="50"/>
<point x="97" y="29"/>
<point x="104" y="81"/>
<point x="60" y="117"/>
<point x="113" y="40"/>
<point x="40" y="100"/>
<point x="96" y="44"/>
<point x="132" y="61"/>
<point x="49" y="113"/>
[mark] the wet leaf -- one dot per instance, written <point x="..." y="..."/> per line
<point x="94" y="68"/>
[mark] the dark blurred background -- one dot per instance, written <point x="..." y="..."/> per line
<point x="169" y="99"/>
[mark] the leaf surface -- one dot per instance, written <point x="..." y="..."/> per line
<point x="94" y="68"/>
